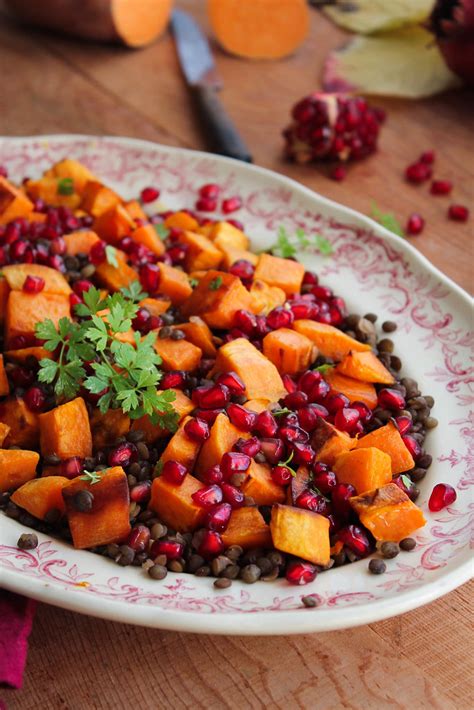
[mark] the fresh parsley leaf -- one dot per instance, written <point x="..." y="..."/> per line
<point x="48" y="370"/>
<point x="66" y="186"/>
<point x="93" y="476"/>
<point x="283" y="246"/>
<point x="387" y="220"/>
<point x="133" y="292"/>
<point x="161" y="230"/>
<point x="193" y="283"/>
<point x="323" y="245"/>
<point x="287" y="245"/>
<point x="111" y="255"/>
<point x="216" y="283"/>
<point x="281" y="412"/>
<point x="46" y="330"/>
<point x="323" y="368"/>
<point x="407" y="482"/>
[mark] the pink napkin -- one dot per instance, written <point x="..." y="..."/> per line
<point x="16" y="619"/>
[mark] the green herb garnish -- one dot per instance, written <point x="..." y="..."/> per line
<point x="286" y="245"/>
<point x="193" y="282"/>
<point x="111" y="255"/>
<point x="216" y="283"/>
<point x="323" y="368"/>
<point x="407" y="482"/>
<point x="133" y="292"/>
<point x="387" y="220"/>
<point x="92" y="476"/>
<point x="161" y="230"/>
<point x="281" y="412"/>
<point x="66" y="186"/>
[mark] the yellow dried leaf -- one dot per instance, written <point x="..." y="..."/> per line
<point x="367" y="16"/>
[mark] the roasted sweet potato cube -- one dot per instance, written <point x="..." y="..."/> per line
<point x="4" y="385"/>
<point x="275" y="271"/>
<point x="108" y="520"/>
<point x="388" y="513"/>
<point x="97" y="199"/>
<point x="42" y="495"/>
<point x="330" y="341"/>
<point x="25" y="310"/>
<point x="365" y="469"/>
<point x="387" y="438"/>
<point x="174" y="504"/>
<point x="182" y="220"/>
<point x="136" y="211"/>
<point x="260" y="376"/>
<point x="65" y="430"/>
<point x="225" y="235"/>
<point x="146" y="234"/>
<point x="201" y="253"/>
<point x="248" y="529"/>
<point x="265" y="298"/>
<point x="4" y="431"/>
<point x="23" y="423"/>
<point x="217" y="298"/>
<point x="199" y="334"/>
<point x="54" y="282"/>
<point x="16" y="467"/>
<point x="80" y="242"/>
<point x="107" y="428"/>
<point x="289" y="351"/>
<point x="4" y="291"/>
<point x="114" y="278"/>
<point x="156" y="306"/>
<point x="328" y="442"/>
<point x="182" y="405"/>
<point x="256" y="405"/>
<point x="181" y="448"/>
<point x="174" y="284"/>
<point x="223" y="437"/>
<point x="13" y="202"/>
<point x="72" y="169"/>
<point x="230" y="255"/>
<point x="365" y="367"/>
<point x="23" y="354"/>
<point x="178" y="354"/>
<point x="50" y="190"/>
<point x="301" y="532"/>
<point x="114" y="224"/>
<point x="298" y="484"/>
<point x="260" y="485"/>
<point x="355" y="390"/>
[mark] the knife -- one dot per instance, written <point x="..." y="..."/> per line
<point x="200" y="73"/>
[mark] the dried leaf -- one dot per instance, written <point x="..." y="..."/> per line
<point x="367" y="16"/>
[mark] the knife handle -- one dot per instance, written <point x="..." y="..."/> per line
<point x="218" y="125"/>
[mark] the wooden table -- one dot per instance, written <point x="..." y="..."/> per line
<point x="422" y="659"/>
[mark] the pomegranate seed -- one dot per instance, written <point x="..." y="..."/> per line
<point x="245" y="321"/>
<point x="303" y="454"/>
<point x="172" y="549"/>
<point x="346" y="419"/>
<point x="266" y="424"/>
<point x="295" y="400"/>
<point x="150" y="277"/>
<point x="35" y="399"/>
<point x="340" y="499"/>
<point x="243" y="269"/>
<point x="335" y="402"/>
<point x="122" y="455"/>
<point x="234" y="462"/>
<point x="21" y="377"/>
<point x="311" y="501"/>
<point x="3" y="171"/>
<point x="319" y="392"/>
<point x="289" y="383"/>
<point x="390" y="399"/>
<point x="303" y="309"/>
<point x="206" y="204"/>
<point x="293" y="434"/>
<point x="174" y="472"/>
<point x="404" y="424"/>
<point x="72" y="467"/>
<point x="289" y="419"/>
<point x="427" y="157"/>
<point x="74" y="300"/>
<point x="58" y="246"/>
<point x="139" y="538"/>
<point x="211" y="191"/>
<point x="309" y="416"/>
<point x="273" y="449"/>
<point x="233" y="495"/>
<point x="458" y="213"/>
<point x="308" y="380"/>
<point x="211" y="545"/>
<point x="324" y="293"/>
<point x="197" y="430"/>
<point x="418" y="172"/>
<point x="175" y="380"/>
<point x="415" y="224"/>
<point x="213" y="475"/>
<point x="300" y="573"/>
<point x="355" y="539"/>
<point x="33" y="284"/>
<point x="233" y="382"/>
<point x="405" y="484"/>
<point x="141" y="322"/>
<point x="19" y="251"/>
<point x="208" y="415"/>
<point x="56" y="262"/>
<point x="141" y="492"/>
<point x="365" y="413"/>
<point x="262" y="327"/>
<point x="251" y="446"/>
<point x="231" y="204"/>
<point x="241" y="417"/>
<point x="338" y="173"/>
<point x="208" y="496"/>
<point x="149" y="194"/>
<point x="213" y="397"/>
<point x="441" y="496"/>
<point x="81" y="286"/>
<point x="412" y="445"/>
<point x="325" y="481"/>
<point x="280" y="318"/>
<point x="281" y="475"/>
<point x="236" y="223"/>
<point x="218" y="517"/>
<point x="441" y="187"/>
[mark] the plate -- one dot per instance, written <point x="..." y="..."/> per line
<point x="373" y="270"/>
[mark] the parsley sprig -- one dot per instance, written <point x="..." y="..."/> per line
<point x="288" y="245"/>
<point x="387" y="220"/>
<point x="90" y="355"/>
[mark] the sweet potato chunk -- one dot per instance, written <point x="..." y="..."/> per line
<point x="23" y="424"/>
<point x="23" y="354"/>
<point x="181" y="448"/>
<point x="178" y="354"/>
<point x="355" y="390"/>
<point x="328" y="442"/>
<point x="275" y="271"/>
<point x="4" y="431"/>
<point x="174" y="283"/>
<point x="108" y="520"/>
<point x="365" y="469"/>
<point x="4" y="386"/>
<point x="25" y="310"/>
<point x="330" y="341"/>
<point x="114" y="278"/>
<point x="217" y="298"/>
<point x="260" y="376"/>
<point x="387" y="438"/>
<point x="41" y="495"/>
<point x="136" y="211"/>
<point x="182" y="220"/>
<point x="222" y="439"/>
<point x="156" y="306"/>
<point x="80" y="242"/>
<point x="256" y="405"/>
<point x="174" y="504"/>
<point x="72" y="169"/>
<point x="265" y="298"/>
<point x="365" y="367"/>
<point x="388" y="513"/>
<point x="13" y="202"/>
<point x="97" y="199"/>
<point x="298" y="484"/>
<point x="49" y="189"/>
<point x="114" y="224"/>
<point x="17" y="466"/>
<point x="4" y="291"/>
<point x="54" y="282"/>
<point x="225" y="235"/>
<point x="289" y="351"/>
<point x="301" y="532"/>
<point x="199" y="334"/>
<point x="106" y="428"/>
<point x="182" y="405"/>
<point x="230" y="255"/>
<point x="201" y="252"/>
<point x="260" y="486"/>
<point x="146" y="235"/>
<point x="65" y="430"/>
<point x="248" y="529"/>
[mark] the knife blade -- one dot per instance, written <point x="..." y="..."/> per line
<point x="199" y="69"/>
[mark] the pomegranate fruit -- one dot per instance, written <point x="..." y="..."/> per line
<point x="452" y="22"/>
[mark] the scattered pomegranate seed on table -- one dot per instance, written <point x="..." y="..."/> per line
<point x="415" y="224"/>
<point x="418" y="172"/>
<point x="441" y="187"/>
<point x="458" y="213"/>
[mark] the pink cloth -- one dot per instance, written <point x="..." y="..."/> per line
<point x="16" y="619"/>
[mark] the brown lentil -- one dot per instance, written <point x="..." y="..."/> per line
<point x="234" y="552"/>
<point x="389" y="326"/>
<point x="203" y="571"/>
<point x="112" y="550"/>
<point x="135" y="436"/>
<point x="265" y="565"/>
<point x="231" y="572"/>
<point x="425" y="460"/>
<point x="222" y="583"/>
<point x="177" y="334"/>
<point x="176" y="566"/>
<point x="431" y="423"/>
<point x="158" y="530"/>
<point x="165" y="332"/>
<point x="310" y="601"/>
<point x="53" y="516"/>
<point x="377" y="566"/>
<point x="407" y="544"/>
<point x="157" y="571"/>
<point x="219" y="564"/>
<point x="160" y="560"/>
<point x="372" y="317"/>
<point x="395" y="363"/>
<point x="385" y="346"/>
<point x="250" y="574"/>
<point x="417" y="474"/>
<point x="52" y="460"/>
<point x="83" y="501"/>
<point x="276" y="558"/>
<point x="389" y="550"/>
<point x="125" y="556"/>
<point x="271" y="576"/>
<point x="88" y="271"/>
<point x="27" y="541"/>
<point x="143" y="451"/>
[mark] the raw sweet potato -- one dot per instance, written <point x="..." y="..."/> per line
<point x="49" y="189"/>
<point x="198" y="333"/>
<point x="387" y="438"/>
<point x="72" y="169"/>
<point x="230" y="255"/>
<point x="201" y="253"/>
<point x="330" y="341"/>
<point x="65" y="430"/>
<point x="4" y="291"/>
<point x="97" y="199"/>
<point x="275" y="271"/>
<point x="4" y="431"/>
<point x="54" y="282"/>
<point x="265" y="298"/>
<point x="182" y="220"/>
<point x="289" y="351"/>
<point x="328" y="442"/>
<point x="174" y="284"/>
<point x="181" y="448"/>
<point x="365" y="469"/>
<point x="114" y="224"/>
<point x="146" y="235"/>
<point x="4" y="386"/>
<point x="80" y="242"/>
<point x="13" y="202"/>
<point x="260" y="376"/>
<point x="222" y="439"/>
<point x="388" y="513"/>
<point x="298" y="484"/>
<point x="25" y="310"/>
<point x="174" y="504"/>
<point x="225" y="235"/>
<point x="156" y="306"/>
<point x="301" y="532"/>
<point x="136" y="211"/>
<point x="260" y="485"/>
<point x="23" y="354"/>
<point x="23" y="423"/>
<point x="355" y="390"/>
<point x="365" y="367"/>
<point x="248" y="529"/>
<point x="114" y="278"/>
<point x="177" y="354"/>
<point x="106" y="428"/>
<point x="217" y="298"/>
<point x="182" y="405"/>
<point x="42" y="495"/>
<point x="108" y="520"/>
<point x="16" y="467"/>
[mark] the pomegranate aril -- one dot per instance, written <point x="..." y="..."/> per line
<point x="174" y="472"/>
<point x="404" y="424"/>
<point x="338" y="173"/>
<point x="355" y="539"/>
<point x="72" y="467"/>
<point x="281" y="475"/>
<point x="172" y="549"/>
<point x="150" y="277"/>
<point x="309" y="415"/>
<point x="213" y="397"/>
<point x="81" y="286"/>
<point x="405" y="484"/>
<point x="325" y="481"/>
<point x="175" y="380"/>
<point x="304" y="309"/>
<point x="458" y="213"/>
<point x="346" y="419"/>
<point x="335" y="402"/>
<point x="233" y="495"/>
<point x="280" y="318"/>
<point x="250" y="447"/>
<point x="312" y="501"/>
<point x="293" y="434"/>
<point x="300" y="573"/>
<point x="208" y="415"/>
<point x="149" y="194"/>
<point x="243" y="269"/>
<point x="139" y="538"/>
<point x="210" y="191"/>
<point x="245" y="321"/>
<point x="241" y="417"/>
<point x="428" y="157"/>
<point x="122" y="455"/>
<point x="340" y="499"/>
<point x="441" y="187"/>
<point x="74" y="300"/>
<point x="303" y="454"/>
<point x="58" y="246"/>
<point x="218" y="517"/>
<point x="412" y="445"/>
<point x="232" y="381"/>
<point x="197" y="430"/>
<point x="56" y="262"/>
<point x="266" y="424"/>
<point x="208" y="496"/>
<point x="21" y="377"/>
<point x="231" y="204"/>
<point x="273" y="449"/>
<point x="234" y="462"/>
<point x="35" y="399"/>
<point x="295" y="400"/>
<point x="206" y="204"/>
<point x="262" y="327"/>
<point x="308" y="380"/>
<point x="441" y="496"/>
<point x="141" y="492"/>
<point x="365" y="413"/>
<point x="390" y="399"/>
<point x="213" y="475"/>
<point x="319" y="392"/>
<point x="211" y="545"/>
<point x="289" y="383"/>
<point x="418" y="172"/>
<point x="33" y="284"/>
<point x="415" y="224"/>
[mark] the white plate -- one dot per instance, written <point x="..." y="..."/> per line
<point x="374" y="271"/>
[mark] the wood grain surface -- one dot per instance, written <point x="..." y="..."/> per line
<point x="423" y="659"/>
